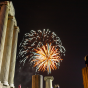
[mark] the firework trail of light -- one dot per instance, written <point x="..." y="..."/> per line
<point x="39" y="46"/>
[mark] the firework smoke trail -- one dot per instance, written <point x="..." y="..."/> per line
<point x="36" y="40"/>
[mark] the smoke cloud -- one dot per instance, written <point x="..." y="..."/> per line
<point x="23" y="76"/>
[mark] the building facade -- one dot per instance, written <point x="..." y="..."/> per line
<point x="8" y="44"/>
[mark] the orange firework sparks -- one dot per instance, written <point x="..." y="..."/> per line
<point x="46" y="58"/>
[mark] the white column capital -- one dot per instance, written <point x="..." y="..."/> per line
<point x="48" y="77"/>
<point x="15" y="22"/>
<point x="17" y="28"/>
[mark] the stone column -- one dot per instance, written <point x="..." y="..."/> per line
<point x="13" y="56"/>
<point x="48" y="80"/>
<point x="3" y="27"/>
<point x="7" y="51"/>
<point x="37" y="81"/>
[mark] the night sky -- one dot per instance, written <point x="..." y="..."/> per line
<point x="69" y="20"/>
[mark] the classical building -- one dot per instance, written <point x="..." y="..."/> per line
<point x="8" y="44"/>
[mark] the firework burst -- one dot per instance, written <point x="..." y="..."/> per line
<point x="46" y="58"/>
<point x="42" y="49"/>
